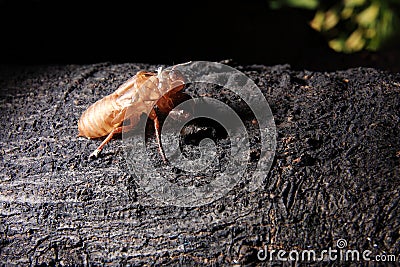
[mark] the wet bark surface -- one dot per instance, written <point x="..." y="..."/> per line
<point x="335" y="174"/>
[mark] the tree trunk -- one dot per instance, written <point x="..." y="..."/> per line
<point x="335" y="175"/>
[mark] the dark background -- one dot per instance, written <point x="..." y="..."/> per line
<point x="248" y="32"/>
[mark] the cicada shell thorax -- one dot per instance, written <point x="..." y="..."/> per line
<point x="153" y="89"/>
<point x="128" y="92"/>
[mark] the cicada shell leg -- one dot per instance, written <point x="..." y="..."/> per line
<point x="108" y="138"/>
<point x="117" y="130"/>
<point x="153" y="116"/>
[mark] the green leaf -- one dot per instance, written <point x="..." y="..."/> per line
<point x="306" y="4"/>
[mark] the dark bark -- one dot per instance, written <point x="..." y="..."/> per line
<point x="335" y="174"/>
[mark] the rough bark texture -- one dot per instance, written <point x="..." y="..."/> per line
<point x="335" y="174"/>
